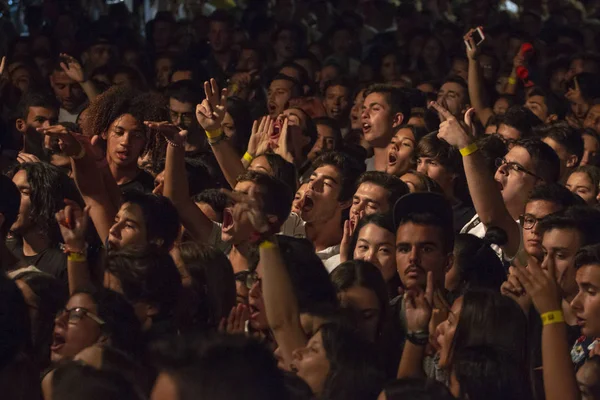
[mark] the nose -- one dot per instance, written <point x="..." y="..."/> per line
<point x="255" y="290"/>
<point x="364" y="114"/>
<point x="115" y="230"/>
<point x="125" y="139"/>
<point x="414" y="255"/>
<point x="370" y="257"/>
<point x="422" y="168"/>
<point x="297" y="354"/>
<point x="46" y="124"/>
<point x="575" y="303"/>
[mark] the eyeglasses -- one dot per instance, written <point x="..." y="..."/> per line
<point x="248" y="278"/>
<point x="515" y="167"/>
<point x="76" y="314"/>
<point x="528" y="221"/>
<point x="186" y="117"/>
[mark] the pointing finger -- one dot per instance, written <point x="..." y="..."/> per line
<point x="441" y="110"/>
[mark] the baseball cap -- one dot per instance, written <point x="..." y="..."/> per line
<point x="424" y="202"/>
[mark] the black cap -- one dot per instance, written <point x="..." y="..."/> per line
<point x="424" y="202"/>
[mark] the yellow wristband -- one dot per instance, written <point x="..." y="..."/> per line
<point x="214" y="134"/>
<point x="470" y="149"/>
<point x="266" y="245"/>
<point x="552" y="317"/>
<point x="77" y="257"/>
<point x="512" y="81"/>
<point x="248" y="157"/>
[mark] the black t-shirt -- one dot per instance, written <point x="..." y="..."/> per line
<point x="51" y="260"/>
<point x="143" y="182"/>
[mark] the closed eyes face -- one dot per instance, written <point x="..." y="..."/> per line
<point x="129" y="227"/>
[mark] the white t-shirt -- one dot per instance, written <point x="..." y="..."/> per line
<point x="477" y="228"/>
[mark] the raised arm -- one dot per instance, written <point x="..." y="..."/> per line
<point x="73" y="222"/>
<point x="88" y="176"/>
<point x="281" y="304"/>
<point x="486" y="197"/>
<point x="73" y="69"/>
<point x="176" y="186"/>
<point x="476" y="88"/>
<point x="558" y="369"/>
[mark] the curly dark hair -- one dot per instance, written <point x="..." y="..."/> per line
<point x="116" y="101"/>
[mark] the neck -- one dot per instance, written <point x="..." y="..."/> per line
<point x="7" y="258"/>
<point x="122" y="174"/>
<point x="381" y="158"/>
<point x="515" y="210"/>
<point x="223" y="58"/>
<point x="324" y="234"/>
<point x="34" y="242"/>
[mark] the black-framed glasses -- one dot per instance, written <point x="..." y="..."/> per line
<point x="186" y="117"/>
<point x="528" y="221"/>
<point x="248" y="278"/>
<point x="76" y="314"/>
<point x="500" y="161"/>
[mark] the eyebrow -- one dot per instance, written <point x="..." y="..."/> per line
<point x="314" y="175"/>
<point x="587" y="285"/>
<point x="376" y="104"/>
<point x="416" y="244"/>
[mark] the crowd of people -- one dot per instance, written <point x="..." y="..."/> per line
<point x="301" y="199"/>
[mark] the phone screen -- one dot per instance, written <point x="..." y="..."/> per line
<point x="477" y="38"/>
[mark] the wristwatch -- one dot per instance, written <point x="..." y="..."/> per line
<point x="419" y="338"/>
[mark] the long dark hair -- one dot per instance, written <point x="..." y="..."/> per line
<point x="354" y="371"/>
<point x="212" y="282"/>
<point x="488" y="318"/>
<point x="363" y="274"/>
<point x="51" y="295"/>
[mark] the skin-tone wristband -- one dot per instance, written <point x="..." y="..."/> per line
<point x="470" y="149"/>
<point x="214" y="134"/>
<point x="248" y="157"/>
<point x="552" y="317"/>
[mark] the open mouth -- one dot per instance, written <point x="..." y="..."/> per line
<point x="58" y="341"/>
<point x="272" y="107"/>
<point x="366" y="127"/>
<point x="392" y="158"/>
<point x="123" y="155"/>
<point x="227" y="220"/>
<point x="307" y="205"/>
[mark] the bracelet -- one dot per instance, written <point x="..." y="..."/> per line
<point x="552" y="317"/>
<point x="81" y="153"/>
<point x="266" y="244"/>
<point x="418" y="338"/>
<point x="76" y="257"/>
<point x="171" y="143"/>
<point x="470" y="149"/>
<point x="512" y="81"/>
<point x="217" y="139"/>
<point x="248" y="157"/>
<point x="214" y="134"/>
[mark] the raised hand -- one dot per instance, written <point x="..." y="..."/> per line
<point x="451" y="130"/>
<point x="73" y="223"/>
<point x="283" y="148"/>
<point x="235" y="324"/>
<point x="512" y="288"/>
<point x="251" y="205"/>
<point x="27" y="158"/>
<point x="346" y="241"/>
<point x="212" y="110"/>
<point x="541" y="286"/>
<point x="72" y="68"/>
<point x="172" y="133"/>
<point x="418" y="305"/>
<point x="240" y="83"/>
<point x="67" y="141"/>
<point x="261" y="132"/>
<point x="472" y="48"/>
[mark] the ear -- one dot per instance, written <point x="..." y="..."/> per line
<point x="21" y="125"/>
<point x="449" y="262"/>
<point x="572" y="161"/>
<point x="398" y="119"/>
<point x="552" y="118"/>
<point x="346" y="204"/>
<point x="104" y="135"/>
<point x="151" y="310"/>
<point x="305" y="89"/>
<point x="103" y="339"/>
<point x="272" y="219"/>
<point x="158" y="242"/>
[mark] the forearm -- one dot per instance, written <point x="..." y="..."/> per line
<point x="177" y="190"/>
<point x="79" y="275"/>
<point x="488" y="201"/>
<point x="229" y="161"/>
<point x="512" y="84"/>
<point x="411" y="363"/>
<point x="558" y="371"/>
<point x="281" y="305"/>
<point x="90" y="90"/>
<point x="483" y="111"/>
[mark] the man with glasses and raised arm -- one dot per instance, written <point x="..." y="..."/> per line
<point x="183" y="98"/>
<point x="499" y="200"/>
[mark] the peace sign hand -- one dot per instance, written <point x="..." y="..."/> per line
<point x="451" y="130"/>
<point x="211" y="111"/>
<point x="541" y="285"/>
